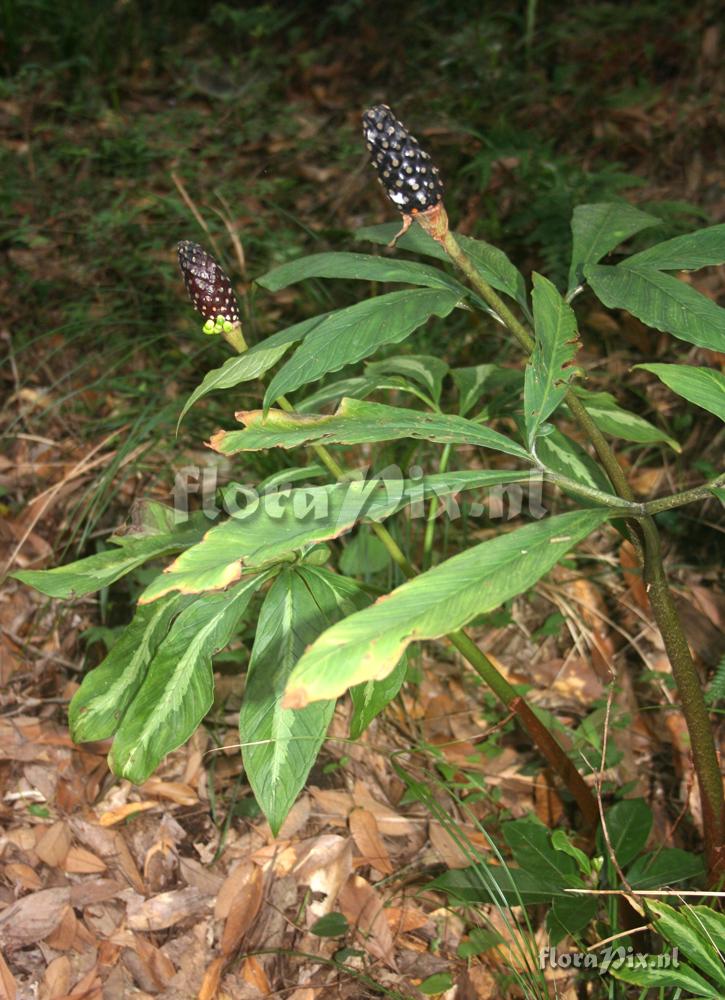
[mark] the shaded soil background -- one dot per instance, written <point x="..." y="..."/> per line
<point x="125" y="127"/>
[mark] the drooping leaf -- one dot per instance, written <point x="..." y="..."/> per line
<point x="704" y="387"/>
<point x="358" y="266"/>
<point x="368" y="644"/>
<point x="599" y="228"/>
<point x="277" y="525"/>
<point x="354" y="333"/>
<point x="473" y="382"/>
<point x="101" y="570"/>
<point x="549" y="369"/>
<point x="357" y="422"/>
<point x="661" y="301"/>
<point x="614" y="420"/>
<point x="424" y="369"/>
<point x="703" y="248"/>
<point x="99" y="705"/>
<point x="357" y="387"/>
<point x="280" y="746"/>
<point x="567" y="457"/>
<point x="253" y="363"/>
<point x="178" y="689"/>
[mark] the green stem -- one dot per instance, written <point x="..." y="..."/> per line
<point x="549" y="747"/>
<point x="645" y="539"/>
<point x="235" y="338"/>
<point x="690" y="691"/>
<point x="432" y="512"/>
<point x="687" y="496"/>
<point x="398" y="556"/>
<point x="601" y="445"/>
<point x="626" y="508"/>
<point x="623" y="507"/>
<point x="522" y="335"/>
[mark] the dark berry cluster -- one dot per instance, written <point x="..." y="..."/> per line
<point x="404" y="169"/>
<point x="210" y="290"/>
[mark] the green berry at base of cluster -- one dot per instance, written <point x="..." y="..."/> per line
<point x="217" y="326"/>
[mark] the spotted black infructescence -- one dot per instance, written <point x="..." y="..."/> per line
<point x="210" y="290"/>
<point x="404" y="169"/>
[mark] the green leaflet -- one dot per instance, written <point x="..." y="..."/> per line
<point x="368" y="644"/>
<point x="614" y="420"/>
<point x="597" y="229"/>
<point x="357" y="422"/>
<point x="99" y="705"/>
<point x="477" y="380"/>
<point x="351" y="334"/>
<point x="178" y="689"/>
<point x="567" y="457"/>
<point x="427" y="371"/>
<point x="690" y="931"/>
<point x="369" y="699"/>
<point x="703" y="248"/>
<point x="276" y="526"/>
<point x="358" y="266"/>
<point x="253" y="363"/>
<point x="661" y="301"/>
<point x="628" y="824"/>
<point x="492" y="263"/>
<point x="101" y="570"/>
<point x="549" y="369"/>
<point x="704" y="387"/>
<point x="280" y="746"/>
